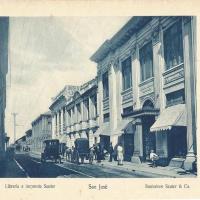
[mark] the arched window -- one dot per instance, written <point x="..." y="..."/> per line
<point x="148" y="104"/>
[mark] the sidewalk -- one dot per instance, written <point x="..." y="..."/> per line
<point x="170" y="172"/>
<point x="167" y="171"/>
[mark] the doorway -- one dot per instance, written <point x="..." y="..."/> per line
<point x="105" y="141"/>
<point x="177" y="142"/>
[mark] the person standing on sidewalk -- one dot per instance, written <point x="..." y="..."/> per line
<point x="153" y="157"/>
<point x="91" y="155"/>
<point x="111" y="150"/>
<point x="98" y="153"/>
<point x="120" y="155"/>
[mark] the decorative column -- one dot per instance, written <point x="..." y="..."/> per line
<point x="91" y="138"/>
<point x="136" y="76"/>
<point x="61" y="121"/>
<point x="189" y="32"/>
<point x="56" y="121"/>
<point x="100" y="98"/>
<point x="158" y="67"/>
<point x="138" y="142"/>
<point x="91" y="108"/>
<point x="112" y="96"/>
<point x="53" y="126"/>
<point x="118" y="89"/>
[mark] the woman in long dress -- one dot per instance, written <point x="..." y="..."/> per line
<point x="120" y="156"/>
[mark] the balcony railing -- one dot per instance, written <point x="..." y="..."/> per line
<point x="174" y="76"/>
<point x="146" y="87"/>
<point x="127" y="96"/>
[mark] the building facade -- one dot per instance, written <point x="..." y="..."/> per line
<point x="4" y="32"/>
<point x="41" y="130"/>
<point x="29" y="139"/>
<point x="146" y="89"/>
<point x="58" y="111"/>
<point x="74" y="113"/>
<point x="81" y="114"/>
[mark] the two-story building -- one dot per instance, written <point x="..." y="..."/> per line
<point x="81" y="114"/>
<point x="58" y="111"/>
<point x="146" y="89"/>
<point x="74" y="112"/>
<point x="41" y="130"/>
<point x="29" y="140"/>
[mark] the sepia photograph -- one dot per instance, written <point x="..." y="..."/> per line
<point x="98" y="97"/>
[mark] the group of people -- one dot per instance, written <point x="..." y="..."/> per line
<point x="97" y="152"/>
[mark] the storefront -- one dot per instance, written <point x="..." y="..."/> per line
<point x="171" y="134"/>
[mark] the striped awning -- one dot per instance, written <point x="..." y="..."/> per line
<point x="171" y="116"/>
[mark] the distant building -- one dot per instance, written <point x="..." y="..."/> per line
<point x="29" y="139"/>
<point x="20" y="144"/>
<point x="41" y="130"/>
<point x="58" y="110"/>
<point x="75" y="113"/>
<point x="4" y="29"/>
<point x="81" y="117"/>
<point x="147" y="89"/>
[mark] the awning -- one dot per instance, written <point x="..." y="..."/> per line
<point x="125" y="126"/>
<point x="104" y="130"/>
<point x="171" y="116"/>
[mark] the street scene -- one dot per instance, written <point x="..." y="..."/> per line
<point x="98" y="97"/>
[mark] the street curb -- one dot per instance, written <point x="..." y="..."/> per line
<point x="147" y="172"/>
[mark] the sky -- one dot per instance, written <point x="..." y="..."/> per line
<point x="47" y="53"/>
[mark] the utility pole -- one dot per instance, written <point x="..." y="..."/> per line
<point x="14" y="125"/>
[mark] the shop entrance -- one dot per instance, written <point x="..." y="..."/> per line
<point x="149" y="139"/>
<point x="177" y="142"/>
<point x="128" y="146"/>
<point x="105" y="141"/>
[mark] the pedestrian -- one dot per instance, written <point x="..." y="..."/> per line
<point x="91" y="155"/>
<point x="111" y="150"/>
<point x="98" y="153"/>
<point x="72" y="154"/>
<point x="120" y="155"/>
<point x="153" y="157"/>
<point x="95" y="151"/>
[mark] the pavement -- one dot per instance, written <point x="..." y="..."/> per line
<point x="145" y="168"/>
<point x="171" y="172"/>
<point x="11" y="169"/>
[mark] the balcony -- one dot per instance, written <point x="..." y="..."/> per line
<point x="174" y="77"/>
<point x="127" y="96"/>
<point x="146" y="87"/>
<point x="106" y="104"/>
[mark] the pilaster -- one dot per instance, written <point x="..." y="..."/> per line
<point x="189" y="26"/>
